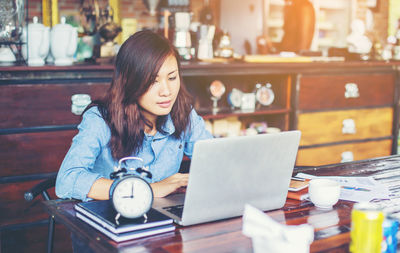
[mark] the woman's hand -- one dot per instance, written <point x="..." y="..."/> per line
<point x="169" y="185"/>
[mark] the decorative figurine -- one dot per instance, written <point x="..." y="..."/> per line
<point x="63" y="43"/>
<point x="37" y="43"/>
<point x="217" y="89"/>
<point x="357" y="41"/>
<point x="235" y="98"/>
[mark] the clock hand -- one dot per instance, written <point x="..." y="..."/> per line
<point x="127" y="197"/>
<point x="132" y="192"/>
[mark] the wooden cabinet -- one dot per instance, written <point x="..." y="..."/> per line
<point x="344" y="110"/>
<point x="43" y="104"/>
<point x="336" y="153"/>
<point x="345" y="117"/>
<point x="274" y="115"/>
<point x="346" y="125"/>
<point x="36" y="131"/>
<point x="341" y="91"/>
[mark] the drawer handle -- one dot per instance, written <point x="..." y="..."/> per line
<point x="349" y="126"/>
<point x="347" y="156"/>
<point x="351" y="90"/>
<point x="79" y="103"/>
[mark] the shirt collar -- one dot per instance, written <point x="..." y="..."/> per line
<point x="168" y="128"/>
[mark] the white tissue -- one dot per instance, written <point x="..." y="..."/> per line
<point x="270" y="236"/>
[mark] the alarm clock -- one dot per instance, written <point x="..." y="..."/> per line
<point x="217" y="89"/>
<point x="130" y="195"/>
<point x="264" y="94"/>
<point x="235" y="98"/>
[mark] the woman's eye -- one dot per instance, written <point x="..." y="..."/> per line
<point x="173" y="78"/>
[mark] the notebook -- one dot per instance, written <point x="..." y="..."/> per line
<point x="227" y="173"/>
<point x="127" y="235"/>
<point x="102" y="213"/>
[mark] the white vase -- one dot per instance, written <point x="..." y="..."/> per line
<point x="37" y="43"/>
<point x="64" y="40"/>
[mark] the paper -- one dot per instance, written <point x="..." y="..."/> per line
<point x="357" y="189"/>
<point x="270" y="236"/>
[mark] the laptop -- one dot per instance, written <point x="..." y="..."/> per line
<point x="227" y="173"/>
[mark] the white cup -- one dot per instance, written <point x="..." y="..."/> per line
<point x="324" y="193"/>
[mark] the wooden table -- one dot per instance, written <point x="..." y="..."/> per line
<point x="331" y="226"/>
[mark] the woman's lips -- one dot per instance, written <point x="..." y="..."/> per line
<point x="164" y="104"/>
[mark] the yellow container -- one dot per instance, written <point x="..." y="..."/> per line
<point x="366" y="228"/>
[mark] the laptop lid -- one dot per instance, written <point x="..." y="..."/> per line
<point x="227" y="173"/>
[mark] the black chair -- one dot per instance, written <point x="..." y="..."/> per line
<point x="42" y="188"/>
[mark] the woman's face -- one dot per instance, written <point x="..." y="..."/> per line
<point x="161" y="95"/>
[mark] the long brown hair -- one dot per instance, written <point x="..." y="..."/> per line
<point x="136" y="67"/>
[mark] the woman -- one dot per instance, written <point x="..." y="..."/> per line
<point x="147" y="112"/>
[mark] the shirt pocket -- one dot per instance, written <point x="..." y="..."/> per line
<point x="175" y="153"/>
<point x="175" y="148"/>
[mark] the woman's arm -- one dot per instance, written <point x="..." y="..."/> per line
<point x="169" y="185"/>
<point x="77" y="174"/>
<point x="100" y="189"/>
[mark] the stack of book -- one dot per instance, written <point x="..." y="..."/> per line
<point x="298" y="189"/>
<point x="101" y="216"/>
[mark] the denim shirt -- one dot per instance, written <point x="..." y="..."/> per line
<point x="89" y="157"/>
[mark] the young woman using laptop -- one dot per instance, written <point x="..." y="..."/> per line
<point x="147" y="112"/>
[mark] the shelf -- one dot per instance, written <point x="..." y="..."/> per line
<point x="224" y="112"/>
<point x="11" y="42"/>
<point x="275" y="23"/>
<point x="326" y="26"/>
<point x="277" y="2"/>
<point x="325" y="42"/>
<point x="332" y="6"/>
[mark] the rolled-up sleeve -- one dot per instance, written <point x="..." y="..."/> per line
<point x="197" y="132"/>
<point x="76" y="175"/>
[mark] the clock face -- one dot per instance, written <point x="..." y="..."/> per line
<point x="217" y="88"/>
<point x="132" y="197"/>
<point x="265" y="96"/>
<point x="235" y="98"/>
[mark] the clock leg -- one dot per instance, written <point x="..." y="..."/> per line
<point x="117" y="217"/>
<point x="145" y="218"/>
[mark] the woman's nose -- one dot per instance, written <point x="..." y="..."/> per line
<point x="165" y="89"/>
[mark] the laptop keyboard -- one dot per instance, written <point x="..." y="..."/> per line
<point x="176" y="210"/>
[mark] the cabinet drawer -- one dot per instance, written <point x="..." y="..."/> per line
<point x="335" y="126"/>
<point x="33" y="153"/>
<point x="337" y="153"/>
<point x="325" y="92"/>
<point x="42" y="104"/>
